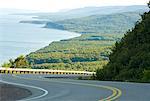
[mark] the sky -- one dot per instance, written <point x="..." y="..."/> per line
<point x="57" y="5"/>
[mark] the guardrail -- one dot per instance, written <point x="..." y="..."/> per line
<point x="42" y="71"/>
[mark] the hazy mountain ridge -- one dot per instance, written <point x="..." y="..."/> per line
<point x="109" y="19"/>
<point x="112" y="23"/>
<point x="88" y="11"/>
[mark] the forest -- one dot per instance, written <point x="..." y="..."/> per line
<point x="87" y="52"/>
<point x="117" y="23"/>
<point x="130" y="58"/>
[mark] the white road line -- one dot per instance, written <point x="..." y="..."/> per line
<point x="29" y="99"/>
<point x="116" y="93"/>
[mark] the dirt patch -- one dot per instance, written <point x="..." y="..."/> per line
<point x="12" y="93"/>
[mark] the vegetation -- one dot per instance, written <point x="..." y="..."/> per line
<point x="112" y="23"/>
<point x="109" y="19"/>
<point x="91" y="50"/>
<point x="19" y="62"/>
<point x="87" y="52"/>
<point x="130" y="58"/>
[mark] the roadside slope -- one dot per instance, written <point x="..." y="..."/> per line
<point x="130" y="59"/>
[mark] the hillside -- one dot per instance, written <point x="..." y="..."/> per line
<point x="112" y="24"/>
<point x="87" y="52"/>
<point x="107" y="19"/>
<point x="130" y="58"/>
<point x="117" y="23"/>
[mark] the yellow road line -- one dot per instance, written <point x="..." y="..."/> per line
<point x="116" y="93"/>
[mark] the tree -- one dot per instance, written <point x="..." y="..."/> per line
<point x="21" y="62"/>
<point x="149" y="4"/>
<point x="130" y="58"/>
<point x="11" y="62"/>
<point x="146" y="76"/>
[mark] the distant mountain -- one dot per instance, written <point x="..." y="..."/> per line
<point x="105" y="24"/>
<point x="109" y="19"/>
<point x="88" y="11"/>
<point x="113" y="19"/>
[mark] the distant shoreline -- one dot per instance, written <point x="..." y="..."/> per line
<point x="20" y="46"/>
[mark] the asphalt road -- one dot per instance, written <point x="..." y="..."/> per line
<point x="45" y="89"/>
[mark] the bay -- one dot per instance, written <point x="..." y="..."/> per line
<point x="21" y="38"/>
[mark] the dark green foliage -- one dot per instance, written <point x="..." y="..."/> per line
<point x="54" y="26"/>
<point x="146" y="76"/>
<point x="130" y="58"/>
<point x="149" y="4"/>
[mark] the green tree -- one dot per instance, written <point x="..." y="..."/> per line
<point x="11" y="62"/>
<point x="146" y="76"/>
<point x="131" y="56"/>
<point x="21" y="62"/>
<point x="149" y="4"/>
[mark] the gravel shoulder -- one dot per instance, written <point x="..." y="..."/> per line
<point x="12" y="93"/>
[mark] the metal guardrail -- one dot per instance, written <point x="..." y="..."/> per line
<point x="42" y="71"/>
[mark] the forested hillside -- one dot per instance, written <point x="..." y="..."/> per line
<point x="112" y="24"/>
<point x="88" y="52"/>
<point x="104" y="24"/>
<point x="130" y="59"/>
<point x="109" y="19"/>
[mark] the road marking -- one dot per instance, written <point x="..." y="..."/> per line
<point x="28" y="99"/>
<point x="116" y="93"/>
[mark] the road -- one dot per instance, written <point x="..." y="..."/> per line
<point x="45" y="89"/>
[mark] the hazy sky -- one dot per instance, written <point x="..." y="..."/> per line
<point x="56" y="5"/>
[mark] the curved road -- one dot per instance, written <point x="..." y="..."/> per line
<point x="44" y="89"/>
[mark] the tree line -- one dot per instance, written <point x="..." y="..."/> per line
<point x="130" y="58"/>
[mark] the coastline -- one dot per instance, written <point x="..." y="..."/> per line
<point x="23" y="47"/>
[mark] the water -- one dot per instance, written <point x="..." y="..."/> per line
<point x="22" y="38"/>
